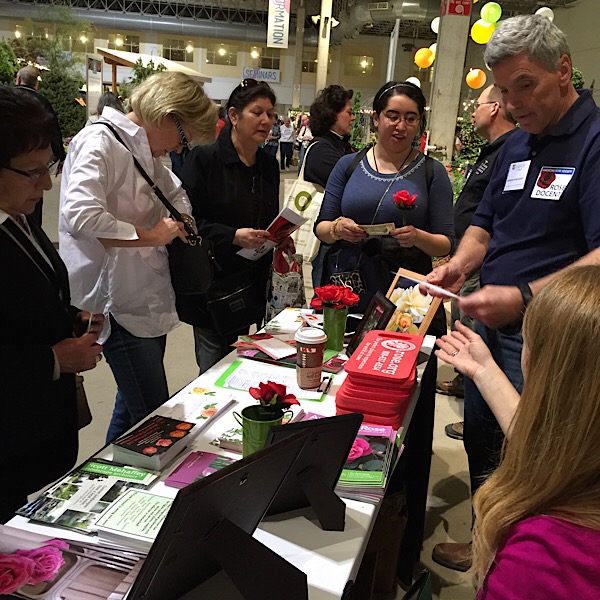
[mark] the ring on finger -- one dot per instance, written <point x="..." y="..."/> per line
<point x="454" y="353"/>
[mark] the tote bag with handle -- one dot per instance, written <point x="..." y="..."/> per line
<point x="305" y="198"/>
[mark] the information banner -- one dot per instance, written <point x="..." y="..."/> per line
<point x="278" y="24"/>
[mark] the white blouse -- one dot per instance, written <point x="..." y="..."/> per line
<point x="104" y="196"/>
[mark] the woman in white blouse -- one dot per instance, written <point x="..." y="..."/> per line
<point x="113" y="231"/>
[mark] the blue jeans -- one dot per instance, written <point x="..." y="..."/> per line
<point x="482" y="435"/>
<point x="137" y="365"/>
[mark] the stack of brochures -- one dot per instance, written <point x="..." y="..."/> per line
<point x="373" y="457"/>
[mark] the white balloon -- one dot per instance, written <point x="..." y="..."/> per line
<point x="433" y="48"/>
<point x="414" y="80"/>
<point x="545" y="12"/>
<point x="435" y="25"/>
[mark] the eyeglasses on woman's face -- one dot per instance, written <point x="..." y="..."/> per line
<point x="185" y="144"/>
<point x="394" y="118"/>
<point x="35" y="175"/>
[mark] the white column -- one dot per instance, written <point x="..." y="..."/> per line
<point x="391" y="65"/>
<point x="323" y="47"/>
<point x="299" y="51"/>
<point x="447" y="81"/>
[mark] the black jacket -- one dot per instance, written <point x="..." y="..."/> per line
<point x="227" y="195"/>
<point x="321" y="159"/>
<point x="39" y="415"/>
<point x="478" y="180"/>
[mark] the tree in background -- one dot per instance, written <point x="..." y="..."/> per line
<point x="47" y="44"/>
<point x="8" y="64"/>
<point x="140" y="73"/>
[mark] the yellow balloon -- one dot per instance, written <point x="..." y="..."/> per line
<point x="475" y="79"/>
<point x="424" y="58"/>
<point x="481" y="32"/>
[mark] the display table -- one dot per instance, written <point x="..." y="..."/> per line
<point x="329" y="559"/>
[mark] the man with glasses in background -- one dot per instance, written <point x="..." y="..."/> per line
<point x="493" y="123"/>
<point x="28" y="79"/>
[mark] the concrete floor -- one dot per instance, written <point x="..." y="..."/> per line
<point x="449" y="511"/>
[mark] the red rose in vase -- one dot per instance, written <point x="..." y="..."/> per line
<point x="334" y="296"/>
<point x="273" y="395"/>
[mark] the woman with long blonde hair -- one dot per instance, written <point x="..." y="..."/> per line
<point x="537" y="517"/>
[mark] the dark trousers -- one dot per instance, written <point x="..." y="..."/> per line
<point x="412" y="473"/>
<point x="285" y="154"/>
<point x="271" y="149"/>
<point x="483" y="437"/>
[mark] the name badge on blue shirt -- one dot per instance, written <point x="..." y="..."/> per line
<point x="551" y="182"/>
<point x="517" y="175"/>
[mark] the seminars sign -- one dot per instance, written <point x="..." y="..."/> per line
<point x="278" y="24"/>
<point x="268" y="75"/>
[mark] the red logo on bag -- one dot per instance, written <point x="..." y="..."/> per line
<point x="398" y="345"/>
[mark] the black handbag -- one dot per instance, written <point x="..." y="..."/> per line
<point x="236" y="302"/>
<point x="192" y="265"/>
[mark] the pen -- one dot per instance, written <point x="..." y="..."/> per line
<point x="328" y="384"/>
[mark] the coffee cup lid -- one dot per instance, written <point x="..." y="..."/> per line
<point x="310" y="335"/>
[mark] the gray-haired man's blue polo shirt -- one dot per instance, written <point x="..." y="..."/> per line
<point x="555" y="218"/>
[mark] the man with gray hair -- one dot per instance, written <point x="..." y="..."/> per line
<point x="539" y="215"/>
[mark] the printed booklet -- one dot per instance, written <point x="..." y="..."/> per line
<point x="79" y="499"/>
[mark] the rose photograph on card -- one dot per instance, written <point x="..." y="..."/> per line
<point x="414" y="311"/>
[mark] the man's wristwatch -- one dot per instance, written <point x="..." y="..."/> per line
<point x="526" y="294"/>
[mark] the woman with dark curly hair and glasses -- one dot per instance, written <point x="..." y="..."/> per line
<point x="113" y="231"/>
<point x="233" y="186"/>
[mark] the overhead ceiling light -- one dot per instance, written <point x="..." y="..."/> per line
<point x="363" y="64"/>
<point x="254" y="53"/>
<point x="189" y="48"/>
<point x="83" y="39"/>
<point x="118" y="41"/>
<point x="222" y="52"/>
<point x="17" y="33"/>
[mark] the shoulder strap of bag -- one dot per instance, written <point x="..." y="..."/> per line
<point x="301" y="174"/>
<point x="354" y="163"/>
<point x="428" y="173"/>
<point x="172" y="210"/>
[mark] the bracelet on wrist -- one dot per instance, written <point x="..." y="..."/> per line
<point x="333" y="229"/>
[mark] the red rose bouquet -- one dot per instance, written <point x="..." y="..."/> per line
<point x="404" y="201"/>
<point x="334" y="296"/>
<point x="272" y="396"/>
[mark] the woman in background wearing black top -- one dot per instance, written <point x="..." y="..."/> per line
<point x="233" y="186"/>
<point x="331" y="118"/>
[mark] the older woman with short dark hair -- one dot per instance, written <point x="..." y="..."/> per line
<point x="233" y="186"/>
<point x="39" y="350"/>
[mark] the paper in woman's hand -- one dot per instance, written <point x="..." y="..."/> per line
<point x="378" y="229"/>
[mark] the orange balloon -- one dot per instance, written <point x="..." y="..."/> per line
<point x="476" y="79"/>
<point x="424" y="58"/>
